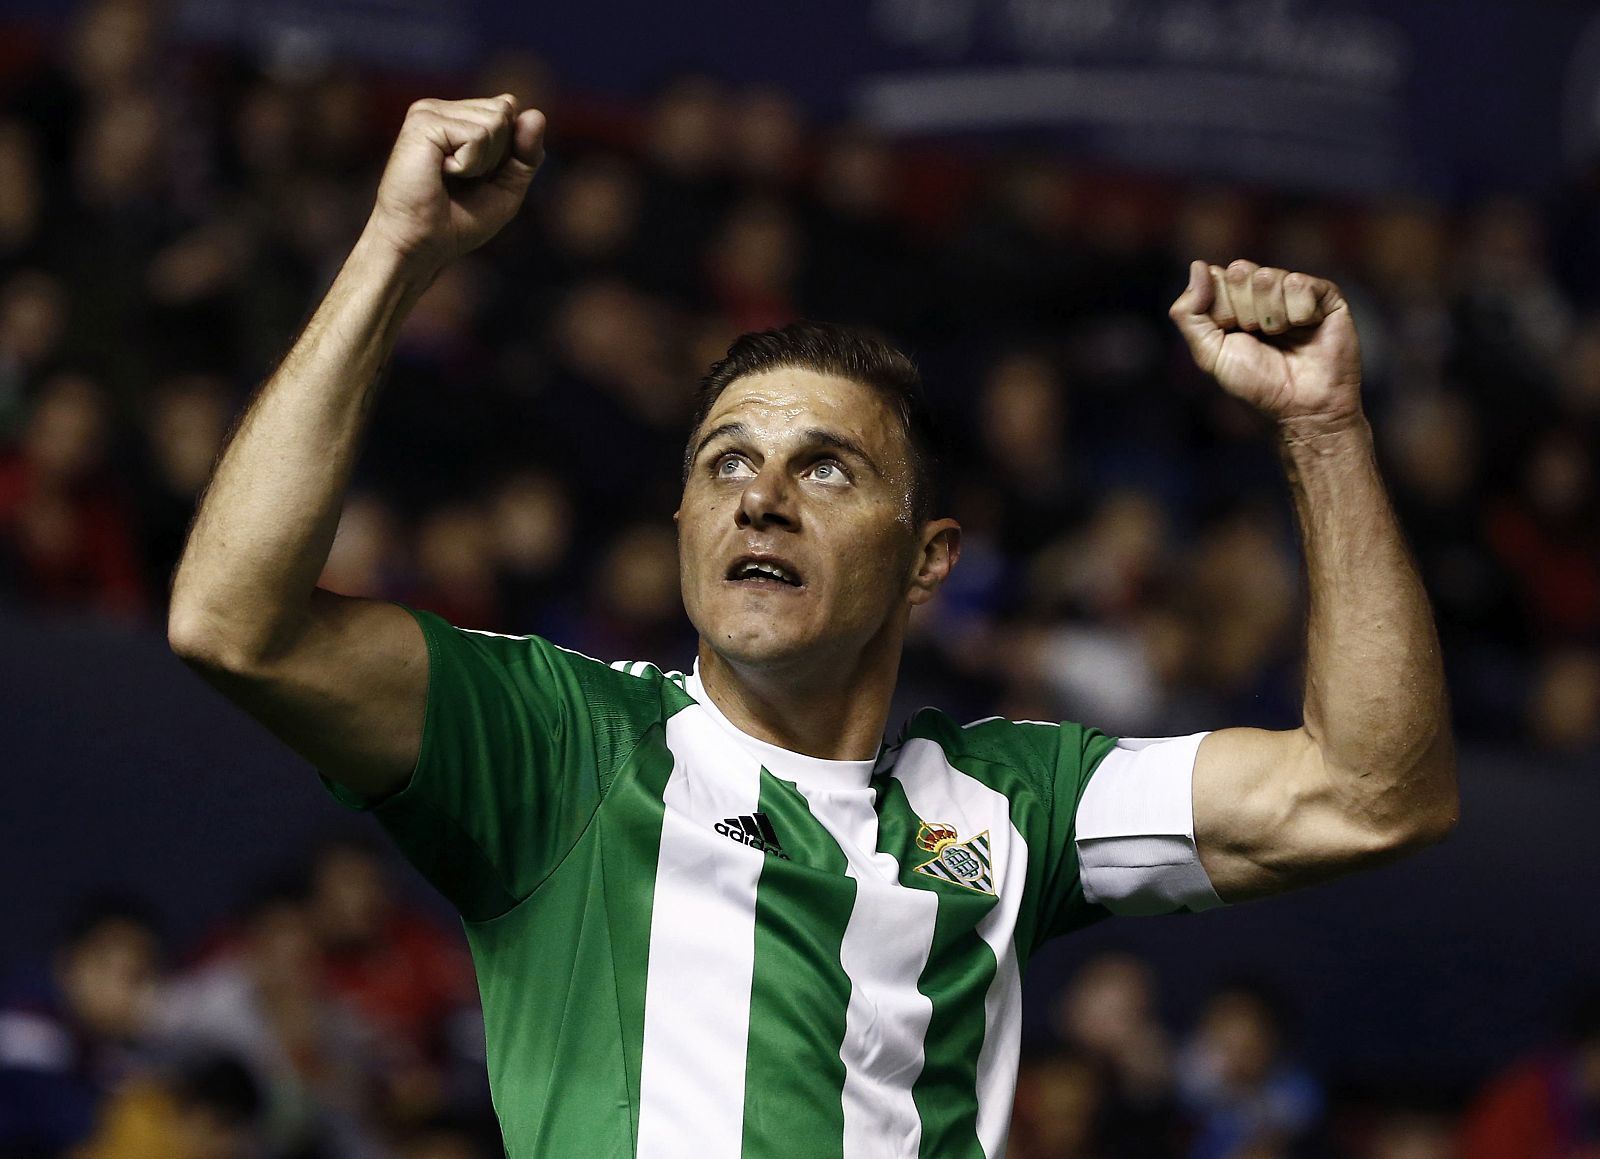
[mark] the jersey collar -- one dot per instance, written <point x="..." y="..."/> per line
<point x="812" y="772"/>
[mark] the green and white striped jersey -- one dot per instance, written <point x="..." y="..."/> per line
<point x="693" y="943"/>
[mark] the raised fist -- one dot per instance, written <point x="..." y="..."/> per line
<point x="1283" y="342"/>
<point x="458" y="172"/>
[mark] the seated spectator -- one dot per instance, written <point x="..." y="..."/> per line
<point x="409" y="979"/>
<point x="265" y="1004"/>
<point x="1544" y="536"/>
<point x="1546" y="1105"/>
<point x="206" y="1109"/>
<point x="1059" y="1110"/>
<point x="66" y="533"/>
<point x="1107" y="1014"/>
<point x="1244" y="1095"/>
<point x="69" y="1036"/>
<point x="33" y="317"/>
<point x="1410" y="1134"/>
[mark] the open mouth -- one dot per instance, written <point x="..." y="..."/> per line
<point x="764" y="573"/>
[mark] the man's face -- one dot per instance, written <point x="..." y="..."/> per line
<point x="796" y="538"/>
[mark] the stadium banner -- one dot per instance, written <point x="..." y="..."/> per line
<point x="1328" y="96"/>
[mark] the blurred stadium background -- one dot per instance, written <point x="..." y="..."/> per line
<point x="1011" y="189"/>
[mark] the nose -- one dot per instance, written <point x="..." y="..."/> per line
<point x="767" y="501"/>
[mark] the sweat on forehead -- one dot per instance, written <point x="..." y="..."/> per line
<point x="834" y="351"/>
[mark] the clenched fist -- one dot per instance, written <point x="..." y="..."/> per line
<point x="458" y="172"/>
<point x="1283" y="342"/>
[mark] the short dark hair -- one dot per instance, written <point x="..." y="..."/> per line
<point x="106" y="908"/>
<point x="847" y="352"/>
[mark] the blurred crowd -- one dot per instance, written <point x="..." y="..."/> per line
<point x="324" y="1019"/>
<point x="170" y="213"/>
<point x="328" y="1018"/>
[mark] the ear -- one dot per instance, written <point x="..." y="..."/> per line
<point x="941" y="547"/>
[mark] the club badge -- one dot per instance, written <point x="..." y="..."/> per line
<point x="959" y="862"/>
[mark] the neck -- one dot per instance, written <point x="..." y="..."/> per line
<point x="837" y="713"/>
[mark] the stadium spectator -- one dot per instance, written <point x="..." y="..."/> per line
<point x="1244" y="1094"/>
<point x="205" y="1109"/>
<point x="73" y="1031"/>
<point x="1107" y="1014"/>
<point x="1546" y="1106"/>
<point x="67" y="533"/>
<point x="32" y="320"/>
<point x="263" y="1001"/>
<point x="1060" y="1109"/>
<point x="410" y="980"/>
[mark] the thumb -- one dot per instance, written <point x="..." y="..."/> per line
<point x="1200" y="294"/>
<point x="1192" y="314"/>
<point x="527" y="144"/>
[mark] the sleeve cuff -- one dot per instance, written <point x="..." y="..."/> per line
<point x="1135" y="830"/>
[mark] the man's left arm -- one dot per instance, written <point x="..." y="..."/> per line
<point x="1370" y="775"/>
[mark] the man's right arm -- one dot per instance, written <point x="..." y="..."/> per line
<point x="342" y="681"/>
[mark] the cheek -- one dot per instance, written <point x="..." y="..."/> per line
<point x="873" y="567"/>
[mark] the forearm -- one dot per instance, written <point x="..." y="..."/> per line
<point x="1375" y="700"/>
<point x="264" y="528"/>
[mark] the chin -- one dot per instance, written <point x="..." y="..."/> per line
<point x="754" y="651"/>
<point x="754" y="642"/>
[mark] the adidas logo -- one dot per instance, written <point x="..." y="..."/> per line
<point x="754" y="830"/>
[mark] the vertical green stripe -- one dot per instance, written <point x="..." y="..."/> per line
<point x="630" y="849"/>
<point x="956" y="980"/>
<point x="960" y="968"/>
<point x="799" y="992"/>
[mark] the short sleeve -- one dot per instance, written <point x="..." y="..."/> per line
<point x="1134" y="830"/>
<point x="507" y="776"/>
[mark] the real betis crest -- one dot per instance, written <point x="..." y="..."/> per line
<point x="958" y="862"/>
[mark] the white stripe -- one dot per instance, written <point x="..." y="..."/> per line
<point x="887" y="1016"/>
<point x="939" y="792"/>
<point x="491" y="635"/>
<point x="702" y="951"/>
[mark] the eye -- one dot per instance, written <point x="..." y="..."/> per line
<point x="830" y="472"/>
<point x="731" y="467"/>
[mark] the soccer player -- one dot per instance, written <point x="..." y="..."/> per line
<point x="712" y="913"/>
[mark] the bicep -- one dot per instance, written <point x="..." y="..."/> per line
<point x="1269" y="815"/>
<point x="349" y="695"/>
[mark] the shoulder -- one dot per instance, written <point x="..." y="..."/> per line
<point x="551" y="667"/>
<point x="998" y="737"/>
<point x="1009" y="753"/>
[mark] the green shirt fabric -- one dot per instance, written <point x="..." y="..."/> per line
<point x="689" y="942"/>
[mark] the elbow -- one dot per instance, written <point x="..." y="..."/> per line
<point x="195" y="640"/>
<point x="208" y="646"/>
<point x="1430" y="808"/>
<point x="1390" y="810"/>
<point x="1441" y="811"/>
<point x="1431" y="826"/>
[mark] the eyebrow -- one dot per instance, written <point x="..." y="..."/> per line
<point x="812" y="436"/>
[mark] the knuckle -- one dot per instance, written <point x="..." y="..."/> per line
<point x="1266" y="276"/>
<point x="1240" y="269"/>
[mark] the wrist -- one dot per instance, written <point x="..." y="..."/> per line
<point x="409" y="271"/>
<point x="1321" y="433"/>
